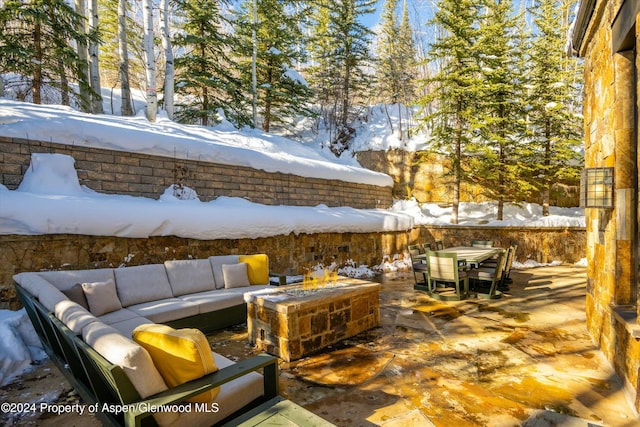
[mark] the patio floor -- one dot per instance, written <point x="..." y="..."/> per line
<point x="526" y="359"/>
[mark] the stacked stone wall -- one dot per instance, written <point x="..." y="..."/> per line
<point x="290" y="254"/>
<point x="424" y="177"/>
<point x="135" y="174"/>
<point x="611" y="141"/>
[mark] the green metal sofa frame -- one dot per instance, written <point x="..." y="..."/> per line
<point x="98" y="381"/>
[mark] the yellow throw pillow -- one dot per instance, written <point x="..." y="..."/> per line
<point x="180" y="355"/>
<point x="257" y="268"/>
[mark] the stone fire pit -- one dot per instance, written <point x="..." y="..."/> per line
<point x="293" y="321"/>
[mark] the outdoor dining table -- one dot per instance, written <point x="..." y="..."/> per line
<point x="470" y="254"/>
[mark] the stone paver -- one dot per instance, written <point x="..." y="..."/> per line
<point x="525" y="359"/>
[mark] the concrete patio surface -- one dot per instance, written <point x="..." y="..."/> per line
<point x="523" y="360"/>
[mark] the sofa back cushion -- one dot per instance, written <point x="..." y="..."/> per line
<point x="257" y="268"/>
<point x="142" y="283"/>
<point x="216" y="265"/>
<point x="190" y="276"/>
<point x="180" y="355"/>
<point x="124" y="352"/>
<point x="74" y="315"/>
<point x="66" y="279"/>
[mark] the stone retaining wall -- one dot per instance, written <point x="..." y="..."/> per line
<point x="135" y="174"/>
<point x="290" y="254"/>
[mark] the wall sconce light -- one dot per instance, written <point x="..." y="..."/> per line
<point x="596" y="188"/>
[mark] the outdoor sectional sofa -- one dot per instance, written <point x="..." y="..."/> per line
<point x="85" y="319"/>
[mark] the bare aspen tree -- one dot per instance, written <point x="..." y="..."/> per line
<point x="94" y="69"/>
<point x="150" y="64"/>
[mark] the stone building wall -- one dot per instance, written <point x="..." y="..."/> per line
<point x="119" y="172"/>
<point x="610" y="112"/>
<point x="291" y="254"/>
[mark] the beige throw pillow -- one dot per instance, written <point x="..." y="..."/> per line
<point x="235" y="275"/>
<point x="101" y="297"/>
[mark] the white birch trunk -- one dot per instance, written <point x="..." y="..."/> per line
<point x="125" y="89"/>
<point x="94" y="69"/>
<point x="150" y="64"/>
<point x="168" y="54"/>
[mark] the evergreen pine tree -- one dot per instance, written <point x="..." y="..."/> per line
<point x="407" y="57"/>
<point x="204" y="76"/>
<point x="345" y="58"/>
<point x="323" y="75"/>
<point x="554" y="124"/>
<point x="388" y="68"/>
<point x="500" y="120"/>
<point x="36" y="43"/>
<point x="283" y="94"/>
<point x="455" y="86"/>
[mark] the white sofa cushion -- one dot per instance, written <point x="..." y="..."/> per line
<point x="216" y="266"/>
<point x="134" y="360"/>
<point x="124" y="352"/>
<point x="74" y="315"/>
<point x="118" y="316"/>
<point x="220" y="299"/>
<point x="190" y="276"/>
<point x="32" y="282"/>
<point x="50" y="296"/>
<point x="142" y="283"/>
<point x="213" y="300"/>
<point x="165" y="310"/>
<point x="65" y="279"/>
<point x="232" y="396"/>
<point x="126" y="327"/>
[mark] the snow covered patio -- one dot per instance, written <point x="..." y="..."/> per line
<point x="478" y="363"/>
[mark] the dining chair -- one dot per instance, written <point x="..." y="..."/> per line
<point x="426" y="247"/>
<point x="506" y="280"/>
<point x="485" y="280"/>
<point x="443" y="269"/>
<point x="414" y="247"/>
<point x="419" y="268"/>
<point x="438" y="245"/>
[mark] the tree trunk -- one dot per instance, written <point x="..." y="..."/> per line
<point x="64" y="84"/>
<point x="400" y="136"/>
<point x="457" y="170"/>
<point x="168" y="54"/>
<point x="37" y="69"/>
<point x="94" y="69"/>
<point x="150" y="65"/>
<point x="125" y="89"/>
<point x="546" y="190"/>
<point x="85" y="95"/>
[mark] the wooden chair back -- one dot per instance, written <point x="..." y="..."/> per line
<point x="482" y="243"/>
<point x="443" y="266"/>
